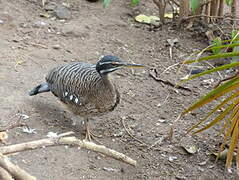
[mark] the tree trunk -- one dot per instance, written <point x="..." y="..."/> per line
<point x="198" y="12"/>
<point x="208" y="9"/>
<point x="221" y="8"/>
<point x="214" y="8"/>
<point x="234" y="9"/>
<point x="184" y="9"/>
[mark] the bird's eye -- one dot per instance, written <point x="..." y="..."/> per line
<point x="114" y="64"/>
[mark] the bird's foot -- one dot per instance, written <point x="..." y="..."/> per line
<point x="89" y="136"/>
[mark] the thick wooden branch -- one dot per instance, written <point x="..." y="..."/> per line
<point x="15" y="171"/>
<point x="5" y="175"/>
<point x="161" y="4"/>
<point x="72" y="141"/>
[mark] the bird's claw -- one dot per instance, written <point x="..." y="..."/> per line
<point x="91" y="136"/>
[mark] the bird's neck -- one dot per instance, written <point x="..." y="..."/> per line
<point x="106" y="79"/>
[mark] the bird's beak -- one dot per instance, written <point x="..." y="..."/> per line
<point x="129" y="65"/>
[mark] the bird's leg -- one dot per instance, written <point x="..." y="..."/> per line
<point x="87" y="129"/>
<point x="88" y="134"/>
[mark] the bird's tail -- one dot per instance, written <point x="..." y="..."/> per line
<point x="43" y="87"/>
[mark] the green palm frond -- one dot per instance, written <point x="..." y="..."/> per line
<point x="229" y="90"/>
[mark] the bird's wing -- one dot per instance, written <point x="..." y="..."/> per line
<point x="72" y="83"/>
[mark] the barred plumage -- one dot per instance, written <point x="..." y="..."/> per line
<point x="82" y="89"/>
<point x="85" y="88"/>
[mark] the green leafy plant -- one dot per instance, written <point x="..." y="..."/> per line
<point x="227" y="94"/>
<point x="134" y="2"/>
<point x="216" y="42"/>
<point x="106" y="3"/>
<point x="194" y="5"/>
<point x="228" y="2"/>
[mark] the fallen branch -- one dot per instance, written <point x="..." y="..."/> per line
<point x="5" y="175"/>
<point x="153" y="73"/>
<point x="208" y="16"/>
<point x="15" y="171"/>
<point x="12" y="126"/>
<point x="71" y="141"/>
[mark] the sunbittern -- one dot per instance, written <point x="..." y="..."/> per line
<point x="85" y="88"/>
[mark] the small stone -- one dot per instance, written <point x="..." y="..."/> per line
<point x="23" y="116"/>
<point x="172" y="158"/>
<point x="119" y="134"/>
<point x="157" y="135"/>
<point x="72" y="30"/>
<point x="180" y="178"/>
<point x="62" y="12"/>
<point x="29" y="130"/>
<point x="52" y="135"/>
<point x="159" y="105"/>
<point x="98" y="157"/>
<point x="196" y="71"/>
<point x="1" y="21"/>
<point x="162" y="120"/>
<point x="57" y="46"/>
<point x="92" y="166"/>
<point x="191" y="149"/>
<point x="109" y="169"/>
<point x="202" y="163"/>
<point x="39" y="24"/>
<point x="50" y="7"/>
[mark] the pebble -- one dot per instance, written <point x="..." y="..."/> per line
<point x="196" y="71"/>
<point x="172" y="158"/>
<point x="29" y="130"/>
<point x="39" y="24"/>
<point x="50" y="7"/>
<point x="1" y="21"/>
<point x="109" y="169"/>
<point x="62" y="12"/>
<point x="71" y="30"/>
<point x="52" y="135"/>
<point x="56" y="46"/>
<point x="162" y="120"/>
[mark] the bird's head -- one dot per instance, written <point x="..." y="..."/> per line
<point x="109" y="63"/>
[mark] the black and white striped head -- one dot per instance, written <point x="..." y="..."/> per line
<point x="109" y="63"/>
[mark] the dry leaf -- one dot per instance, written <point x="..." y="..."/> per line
<point x="3" y="136"/>
<point x="168" y="15"/>
<point x="191" y="149"/>
<point x="148" y="19"/>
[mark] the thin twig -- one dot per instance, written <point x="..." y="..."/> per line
<point x="131" y="135"/>
<point x="12" y="126"/>
<point x="152" y="74"/>
<point x="169" y="67"/>
<point x="213" y="17"/>
<point x="171" y="130"/>
<point x="219" y="74"/>
<point x="65" y="134"/>
<point x="226" y="79"/>
<point x="174" y="2"/>
<point x="159" y="141"/>
<point x="38" y="45"/>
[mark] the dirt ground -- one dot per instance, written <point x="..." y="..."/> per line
<point x="30" y="45"/>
